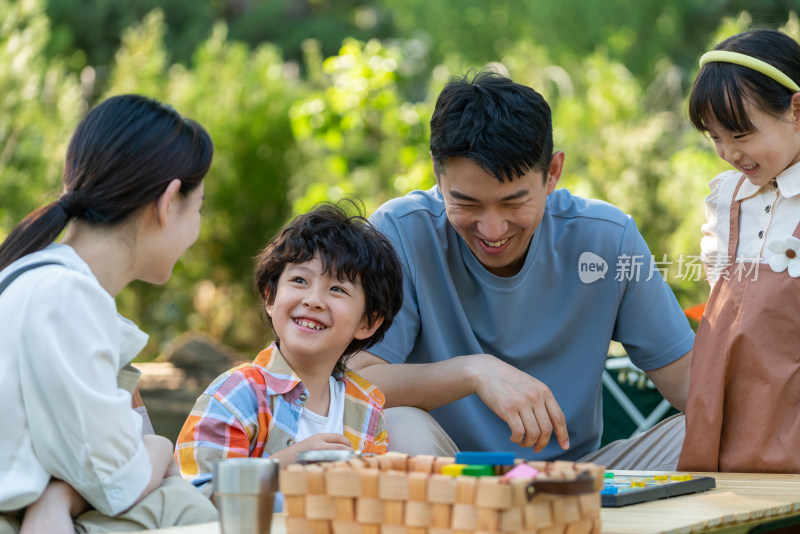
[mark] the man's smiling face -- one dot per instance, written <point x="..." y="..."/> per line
<point x="496" y="219"/>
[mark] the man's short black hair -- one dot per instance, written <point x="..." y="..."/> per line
<point x="351" y="249"/>
<point x="503" y="126"/>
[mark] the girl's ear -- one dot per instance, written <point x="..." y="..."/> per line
<point x="167" y="202"/>
<point x="365" y="329"/>
<point x="795" y="105"/>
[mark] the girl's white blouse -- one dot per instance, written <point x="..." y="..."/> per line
<point x="62" y="345"/>
<point x="766" y="213"/>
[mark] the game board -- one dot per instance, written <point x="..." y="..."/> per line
<point x="622" y="490"/>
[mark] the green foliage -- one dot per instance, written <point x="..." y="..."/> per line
<point x="356" y="136"/>
<point x="352" y="119"/>
<point x="40" y="105"/>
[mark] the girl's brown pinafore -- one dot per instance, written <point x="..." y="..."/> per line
<point x="743" y="410"/>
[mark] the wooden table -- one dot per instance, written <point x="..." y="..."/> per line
<point x="740" y="502"/>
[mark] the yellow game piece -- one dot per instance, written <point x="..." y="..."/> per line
<point x="661" y="478"/>
<point x="680" y="478"/>
<point x="638" y="483"/>
<point x="453" y="470"/>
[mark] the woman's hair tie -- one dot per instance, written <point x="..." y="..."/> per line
<point x="70" y="203"/>
<point x="726" y="56"/>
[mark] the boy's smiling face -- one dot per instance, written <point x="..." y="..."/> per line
<point x="317" y="315"/>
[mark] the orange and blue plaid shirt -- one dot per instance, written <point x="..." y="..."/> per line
<point x="254" y="410"/>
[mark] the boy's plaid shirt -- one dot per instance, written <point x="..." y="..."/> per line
<point x="254" y="410"/>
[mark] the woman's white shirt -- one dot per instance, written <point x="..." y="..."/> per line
<point x="62" y="346"/>
<point x="766" y="213"/>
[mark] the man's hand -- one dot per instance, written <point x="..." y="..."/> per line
<point x="523" y="402"/>
<point x="313" y="443"/>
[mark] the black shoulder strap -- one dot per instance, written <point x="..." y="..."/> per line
<point x="13" y="276"/>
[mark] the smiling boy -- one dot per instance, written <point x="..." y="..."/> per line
<point x="331" y="286"/>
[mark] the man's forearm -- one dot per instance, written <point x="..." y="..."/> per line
<point x="427" y="386"/>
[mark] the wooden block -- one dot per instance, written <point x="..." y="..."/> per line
<point x="572" y="511"/>
<point x="369" y="511"/>
<point x="539" y="466"/>
<point x="538" y="513"/>
<point x="417" y="486"/>
<point x="369" y="483"/>
<point x="394" y="529"/>
<point x="465" y="489"/>
<point x="293" y="480"/>
<point x="385" y="462"/>
<point x="442" y="514"/>
<point x="442" y="461"/>
<point x="393" y="485"/>
<point x="580" y="527"/>
<point x="559" y="510"/>
<point x="320" y="507"/>
<point x="492" y="494"/>
<point x="370" y="529"/>
<point x="372" y="461"/>
<point x="344" y="527"/>
<point x="294" y="505"/>
<point x="589" y="504"/>
<point x="343" y="482"/>
<point x="315" y="479"/>
<point x="465" y="517"/>
<point x="393" y="512"/>
<point x="417" y="530"/>
<point x="297" y="525"/>
<point x="399" y="461"/>
<point x="418" y="514"/>
<point x="422" y="463"/>
<point x="441" y="489"/>
<point x="440" y="530"/>
<point x="344" y="509"/>
<point x="519" y="491"/>
<point x="511" y="520"/>
<point x="555" y="529"/>
<point x="319" y="527"/>
<point x="488" y="519"/>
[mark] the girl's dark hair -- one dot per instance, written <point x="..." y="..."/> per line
<point x="721" y="90"/>
<point x="505" y="127"/>
<point x="350" y="248"/>
<point x="121" y="158"/>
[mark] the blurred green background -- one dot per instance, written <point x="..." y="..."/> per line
<point x="311" y="100"/>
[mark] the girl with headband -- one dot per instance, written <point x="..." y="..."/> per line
<point x="743" y="407"/>
<point x="70" y="440"/>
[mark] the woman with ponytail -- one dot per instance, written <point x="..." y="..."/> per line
<point x="71" y="445"/>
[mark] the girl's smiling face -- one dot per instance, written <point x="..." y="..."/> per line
<point x="772" y="146"/>
<point x="316" y="315"/>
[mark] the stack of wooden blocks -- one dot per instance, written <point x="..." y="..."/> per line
<point x="398" y="494"/>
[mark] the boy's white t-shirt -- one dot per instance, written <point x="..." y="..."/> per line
<point x="312" y="423"/>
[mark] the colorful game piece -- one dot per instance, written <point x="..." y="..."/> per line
<point x="485" y="458"/>
<point x="478" y="470"/>
<point x="453" y="470"/>
<point x="622" y="490"/>
<point x="521" y="471"/>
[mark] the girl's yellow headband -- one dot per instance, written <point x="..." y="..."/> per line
<point x="764" y="68"/>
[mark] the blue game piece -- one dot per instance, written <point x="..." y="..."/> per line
<point x="609" y="490"/>
<point x="485" y="458"/>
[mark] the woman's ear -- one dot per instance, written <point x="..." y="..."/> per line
<point x="167" y="202"/>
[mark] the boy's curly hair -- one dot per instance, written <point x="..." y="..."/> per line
<point x="351" y="249"/>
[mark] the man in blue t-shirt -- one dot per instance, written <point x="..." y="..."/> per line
<point x="513" y="291"/>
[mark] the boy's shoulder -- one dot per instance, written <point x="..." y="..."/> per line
<point x="267" y="374"/>
<point x="359" y="387"/>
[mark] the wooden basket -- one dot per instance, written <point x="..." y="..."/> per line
<point x="397" y="494"/>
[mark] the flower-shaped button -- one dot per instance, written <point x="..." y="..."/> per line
<point x="787" y="255"/>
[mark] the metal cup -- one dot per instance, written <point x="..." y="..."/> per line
<point x="244" y="492"/>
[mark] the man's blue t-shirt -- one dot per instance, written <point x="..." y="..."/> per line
<point x="588" y="278"/>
